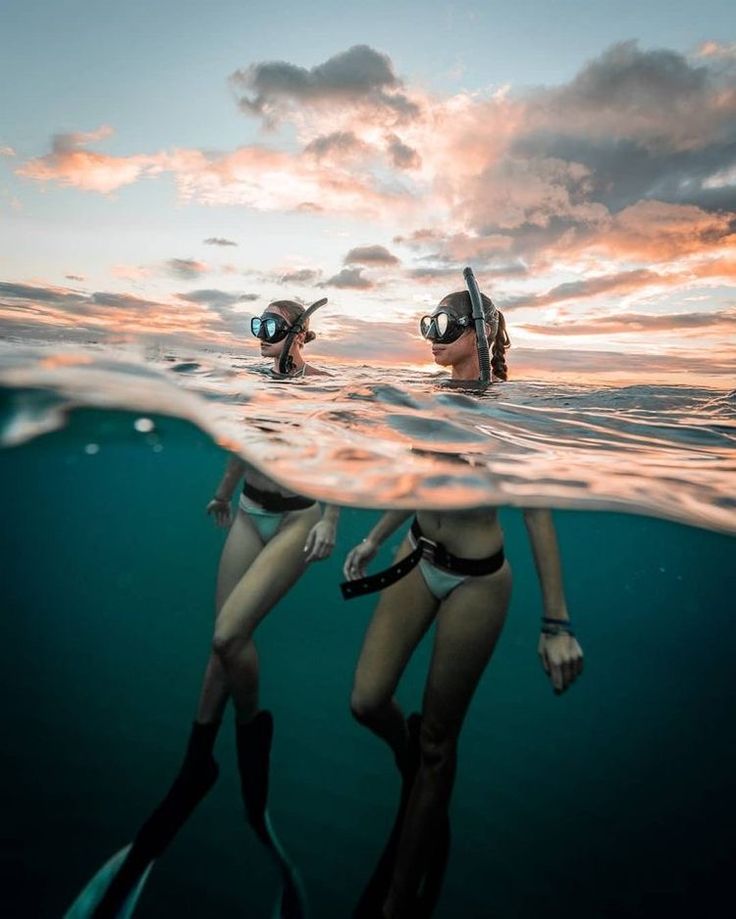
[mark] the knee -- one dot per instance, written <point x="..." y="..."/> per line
<point x="438" y="750"/>
<point x="226" y="646"/>
<point x="366" y="706"/>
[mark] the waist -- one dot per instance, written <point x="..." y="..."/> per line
<point x="274" y="501"/>
<point x="439" y="556"/>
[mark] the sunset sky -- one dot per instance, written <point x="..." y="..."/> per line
<point x="167" y="169"/>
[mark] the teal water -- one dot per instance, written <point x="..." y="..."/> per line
<point x="616" y="799"/>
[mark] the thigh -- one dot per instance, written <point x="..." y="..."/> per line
<point x="239" y="552"/>
<point x="274" y="570"/>
<point x="404" y="613"/>
<point x="469" y="623"/>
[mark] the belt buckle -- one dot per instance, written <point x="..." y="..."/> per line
<point x="428" y="547"/>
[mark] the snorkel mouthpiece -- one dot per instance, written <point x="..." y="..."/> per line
<point x="285" y="361"/>
<point x="481" y="340"/>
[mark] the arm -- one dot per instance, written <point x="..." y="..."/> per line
<point x="359" y="557"/>
<point x="543" y="537"/>
<point x="321" y="538"/>
<point x="219" y="506"/>
<point x="559" y="652"/>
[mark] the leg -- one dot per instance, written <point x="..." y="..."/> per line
<point x="199" y="770"/>
<point x="404" y="613"/>
<point x="275" y="569"/>
<point x="469" y="623"/>
<point x="239" y="552"/>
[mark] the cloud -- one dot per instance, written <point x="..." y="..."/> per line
<point x="69" y="164"/>
<point x="402" y="156"/>
<point x="373" y="341"/>
<point x="63" y="314"/>
<point x="74" y="277"/>
<point x="370" y="255"/>
<point x="186" y="267"/>
<point x="219" y="241"/>
<point x="359" y="77"/>
<point x="722" y="321"/>
<point x="6" y="150"/>
<point x="349" y="278"/>
<point x="300" y="276"/>
<point x="337" y="145"/>
<point x="216" y="298"/>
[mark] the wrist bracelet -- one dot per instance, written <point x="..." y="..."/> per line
<point x="551" y="626"/>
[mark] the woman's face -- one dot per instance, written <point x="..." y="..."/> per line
<point x="274" y="349"/>
<point x="456" y="352"/>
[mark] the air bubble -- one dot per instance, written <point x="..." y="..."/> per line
<point x="91" y="449"/>
<point x="144" y="425"/>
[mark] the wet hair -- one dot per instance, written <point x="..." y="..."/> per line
<point x="498" y="340"/>
<point x="293" y="310"/>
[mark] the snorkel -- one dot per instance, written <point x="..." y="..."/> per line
<point x="286" y="362"/>
<point x="481" y="339"/>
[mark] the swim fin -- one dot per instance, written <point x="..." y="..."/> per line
<point x="254" y="752"/>
<point x="431" y="886"/>
<point x="88" y="900"/>
<point x="375" y="892"/>
<point x="114" y="890"/>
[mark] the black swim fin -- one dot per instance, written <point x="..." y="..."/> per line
<point x="376" y="890"/>
<point x="114" y="890"/>
<point x="431" y="886"/>
<point x="254" y="751"/>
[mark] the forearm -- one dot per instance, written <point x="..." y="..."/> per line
<point x="543" y="538"/>
<point x="390" y="522"/>
<point x="229" y="482"/>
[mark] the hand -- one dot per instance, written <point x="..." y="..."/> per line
<point x="562" y="659"/>
<point x="358" y="558"/>
<point x="320" y="541"/>
<point x="220" y="510"/>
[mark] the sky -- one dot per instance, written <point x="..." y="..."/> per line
<point x="168" y="169"/>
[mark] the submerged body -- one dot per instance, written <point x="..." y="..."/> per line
<point x="469" y="611"/>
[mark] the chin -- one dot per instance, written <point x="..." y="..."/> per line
<point x="442" y="359"/>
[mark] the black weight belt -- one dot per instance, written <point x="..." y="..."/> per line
<point x="435" y="553"/>
<point x="274" y="502"/>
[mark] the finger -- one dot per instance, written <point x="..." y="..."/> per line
<point x="567" y="674"/>
<point x="545" y="660"/>
<point x="309" y="544"/>
<point x="556" y="677"/>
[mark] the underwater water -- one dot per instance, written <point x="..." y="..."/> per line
<point x="614" y="799"/>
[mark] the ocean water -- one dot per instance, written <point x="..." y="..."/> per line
<point x="615" y="799"/>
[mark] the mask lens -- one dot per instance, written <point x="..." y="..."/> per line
<point x="442" y="321"/>
<point x="269" y="328"/>
<point x="424" y="326"/>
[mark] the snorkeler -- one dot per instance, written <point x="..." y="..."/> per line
<point x="450" y="569"/>
<point x="273" y="537"/>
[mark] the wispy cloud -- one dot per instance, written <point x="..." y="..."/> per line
<point x="219" y="241"/>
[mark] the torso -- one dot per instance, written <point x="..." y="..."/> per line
<point x="468" y="533"/>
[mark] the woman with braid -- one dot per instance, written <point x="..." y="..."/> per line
<point x="450" y="570"/>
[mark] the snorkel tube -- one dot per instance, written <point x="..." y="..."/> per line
<point x="481" y="339"/>
<point x="286" y="361"/>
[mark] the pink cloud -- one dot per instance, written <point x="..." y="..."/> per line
<point x="71" y="165"/>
